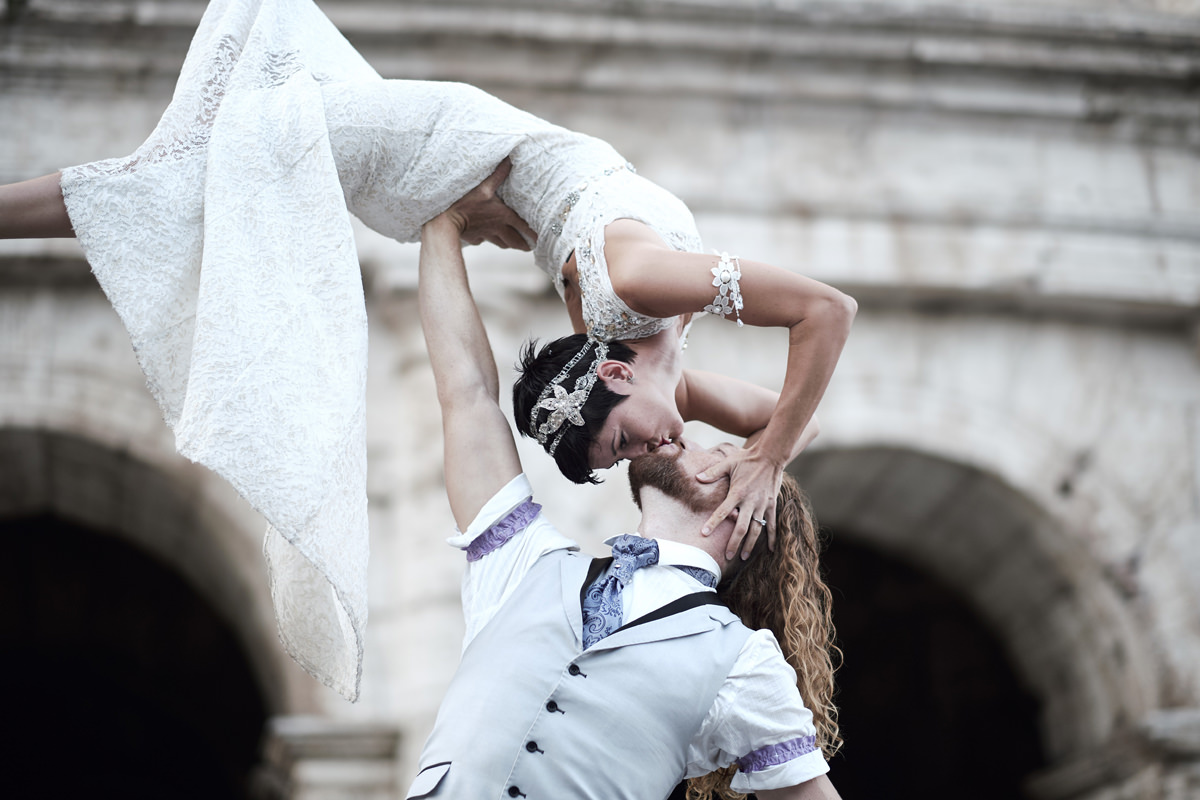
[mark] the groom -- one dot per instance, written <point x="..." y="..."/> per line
<point x="580" y="680"/>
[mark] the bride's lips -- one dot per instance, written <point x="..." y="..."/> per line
<point x="665" y="442"/>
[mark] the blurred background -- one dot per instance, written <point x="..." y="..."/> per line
<point x="1009" y="468"/>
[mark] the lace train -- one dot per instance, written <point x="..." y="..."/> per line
<point x="249" y="324"/>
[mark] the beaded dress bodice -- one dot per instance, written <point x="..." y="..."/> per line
<point x="616" y="194"/>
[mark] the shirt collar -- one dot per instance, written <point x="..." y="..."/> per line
<point x="674" y="554"/>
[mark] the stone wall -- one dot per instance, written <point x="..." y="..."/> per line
<point x="1011" y="191"/>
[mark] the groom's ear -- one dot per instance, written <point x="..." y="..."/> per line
<point x="613" y="370"/>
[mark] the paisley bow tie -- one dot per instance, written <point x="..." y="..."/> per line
<point x="602" y="601"/>
<point x="602" y="612"/>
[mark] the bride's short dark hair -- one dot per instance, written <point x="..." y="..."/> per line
<point x="536" y="368"/>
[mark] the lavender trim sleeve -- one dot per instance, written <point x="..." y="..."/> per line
<point x="775" y="754"/>
<point x="502" y="530"/>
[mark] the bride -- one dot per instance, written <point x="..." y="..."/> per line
<point x="224" y="244"/>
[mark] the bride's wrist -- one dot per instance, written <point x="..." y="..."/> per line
<point x="762" y="450"/>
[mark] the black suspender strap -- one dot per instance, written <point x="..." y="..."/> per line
<point x="685" y="603"/>
<point x="598" y="565"/>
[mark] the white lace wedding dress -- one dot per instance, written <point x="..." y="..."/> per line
<point x="224" y="243"/>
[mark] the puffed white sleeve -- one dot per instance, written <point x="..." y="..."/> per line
<point x="760" y="722"/>
<point x="502" y="543"/>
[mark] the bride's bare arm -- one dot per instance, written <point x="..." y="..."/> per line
<point x="733" y="406"/>
<point x="653" y="279"/>
<point x="34" y="209"/>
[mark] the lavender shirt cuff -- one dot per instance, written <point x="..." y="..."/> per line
<point x="501" y="531"/>
<point x="775" y="754"/>
<point x="779" y="766"/>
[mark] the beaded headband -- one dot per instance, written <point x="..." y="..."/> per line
<point x="564" y="407"/>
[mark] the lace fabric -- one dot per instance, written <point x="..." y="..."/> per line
<point x="621" y="195"/>
<point x="224" y="244"/>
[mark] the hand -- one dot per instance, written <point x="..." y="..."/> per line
<point x="480" y="215"/>
<point x="753" y="488"/>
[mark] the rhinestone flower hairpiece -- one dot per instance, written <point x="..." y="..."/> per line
<point x="566" y="406"/>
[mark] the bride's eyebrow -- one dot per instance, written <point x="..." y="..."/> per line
<point x="613" y="443"/>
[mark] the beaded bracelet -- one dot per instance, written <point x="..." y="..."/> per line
<point x="726" y="275"/>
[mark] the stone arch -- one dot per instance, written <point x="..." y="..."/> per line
<point x="49" y="473"/>
<point x="1065" y="627"/>
<point x="125" y="670"/>
<point x="81" y="440"/>
<point x="919" y="666"/>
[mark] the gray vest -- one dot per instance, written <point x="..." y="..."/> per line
<point x="531" y="714"/>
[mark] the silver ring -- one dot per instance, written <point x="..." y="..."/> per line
<point x="762" y="521"/>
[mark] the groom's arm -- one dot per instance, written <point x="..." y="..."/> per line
<point x="480" y="453"/>
<point x="481" y="456"/>
<point x="818" y="788"/>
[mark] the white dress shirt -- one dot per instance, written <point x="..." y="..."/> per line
<point x="758" y="705"/>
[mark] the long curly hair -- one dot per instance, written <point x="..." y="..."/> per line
<point x="784" y="592"/>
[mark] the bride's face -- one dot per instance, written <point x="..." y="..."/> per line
<point x="646" y="419"/>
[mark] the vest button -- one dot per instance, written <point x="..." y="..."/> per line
<point x="531" y="747"/>
<point x="513" y="791"/>
<point x="552" y="706"/>
<point x="573" y="669"/>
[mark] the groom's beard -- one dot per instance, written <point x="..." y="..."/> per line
<point x="662" y="471"/>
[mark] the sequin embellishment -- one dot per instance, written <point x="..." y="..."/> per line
<point x="572" y="198"/>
